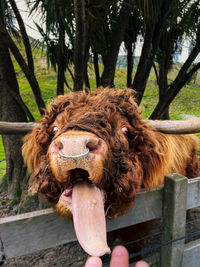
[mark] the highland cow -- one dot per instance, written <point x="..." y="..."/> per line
<point x="91" y="155"/>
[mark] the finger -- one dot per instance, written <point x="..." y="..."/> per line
<point x="141" y="264"/>
<point x="93" y="262"/>
<point x="119" y="257"/>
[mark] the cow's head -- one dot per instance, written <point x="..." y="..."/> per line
<point x="92" y="142"/>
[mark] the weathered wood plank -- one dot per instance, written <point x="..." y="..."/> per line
<point x="147" y="206"/>
<point x="193" y="195"/>
<point x="191" y="255"/>
<point x="27" y="234"/>
<point x="34" y="231"/>
<point x="174" y="219"/>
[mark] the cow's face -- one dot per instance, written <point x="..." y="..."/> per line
<point x="98" y="153"/>
<point x="92" y="140"/>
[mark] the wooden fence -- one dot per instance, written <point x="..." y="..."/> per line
<point x="30" y="232"/>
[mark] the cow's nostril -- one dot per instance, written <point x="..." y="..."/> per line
<point x="92" y="146"/>
<point x="59" y="145"/>
<point x="95" y="146"/>
<point x="56" y="147"/>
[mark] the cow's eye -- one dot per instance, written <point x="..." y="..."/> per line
<point x="55" y="129"/>
<point x="124" y="130"/>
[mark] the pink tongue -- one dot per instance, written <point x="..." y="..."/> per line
<point x="89" y="219"/>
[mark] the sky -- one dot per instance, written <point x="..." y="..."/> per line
<point x="28" y="20"/>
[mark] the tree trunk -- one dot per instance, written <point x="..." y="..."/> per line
<point x="19" y="100"/>
<point x="129" y="64"/>
<point x="11" y="111"/>
<point x="142" y="73"/>
<point x="4" y="35"/>
<point x="163" y="84"/>
<point x="110" y="60"/>
<point x="28" y="202"/>
<point x="66" y="83"/>
<point x="96" y="68"/>
<point x="60" y="79"/>
<point x="156" y="72"/>
<point x="61" y="60"/>
<point x="87" y="48"/>
<point x="79" y="45"/>
<point x="87" y="81"/>
<point x="181" y="79"/>
<point x="150" y="46"/>
<point x="24" y="35"/>
<point x="70" y="72"/>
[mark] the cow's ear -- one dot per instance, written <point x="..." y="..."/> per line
<point x="35" y="148"/>
<point x="34" y="153"/>
<point x="29" y="151"/>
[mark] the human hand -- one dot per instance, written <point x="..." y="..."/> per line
<point x="119" y="258"/>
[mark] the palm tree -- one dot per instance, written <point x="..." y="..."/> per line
<point x="184" y="23"/>
<point x="133" y="30"/>
<point x="118" y="26"/>
<point x="11" y="107"/>
<point x="58" y="34"/>
<point x="155" y="14"/>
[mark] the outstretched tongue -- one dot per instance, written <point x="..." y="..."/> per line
<point x="89" y="219"/>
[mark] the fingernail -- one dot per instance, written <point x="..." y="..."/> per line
<point x="119" y="251"/>
<point x="141" y="264"/>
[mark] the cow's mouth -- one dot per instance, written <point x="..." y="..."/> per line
<point x="86" y="202"/>
<point x="79" y="175"/>
<point x="75" y="176"/>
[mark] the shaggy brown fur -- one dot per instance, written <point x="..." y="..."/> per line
<point x="136" y="158"/>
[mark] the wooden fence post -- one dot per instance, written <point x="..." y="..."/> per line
<point x="1" y="251"/>
<point x="174" y="219"/>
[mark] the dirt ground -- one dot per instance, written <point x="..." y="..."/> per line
<point x="72" y="254"/>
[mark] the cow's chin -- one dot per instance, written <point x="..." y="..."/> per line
<point x="64" y="208"/>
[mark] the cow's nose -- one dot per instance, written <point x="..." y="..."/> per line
<point x="77" y="145"/>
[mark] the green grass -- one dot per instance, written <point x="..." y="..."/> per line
<point x="2" y="202"/>
<point x="13" y="202"/>
<point x="2" y="167"/>
<point x="186" y="103"/>
<point x="2" y="153"/>
<point x="4" y="180"/>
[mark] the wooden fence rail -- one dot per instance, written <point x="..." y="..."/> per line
<point x="34" y="231"/>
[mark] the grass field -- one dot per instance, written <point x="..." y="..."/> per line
<point x="186" y="104"/>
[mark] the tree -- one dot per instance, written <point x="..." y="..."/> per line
<point x="183" y="76"/>
<point x="10" y="110"/>
<point x="58" y="21"/>
<point x="155" y="14"/>
<point x="12" y="107"/>
<point x="117" y="35"/>
<point x="109" y="18"/>
<point x="184" y="23"/>
<point x="27" y="72"/>
<point x="4" y="33"/>
<point x="80" y="43"/>
<point x="133" y="30"/>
